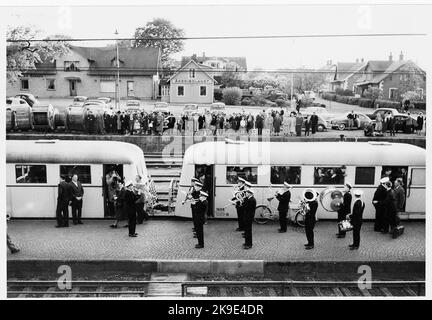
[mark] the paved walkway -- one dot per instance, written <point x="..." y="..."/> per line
<point x="172" y="240"/>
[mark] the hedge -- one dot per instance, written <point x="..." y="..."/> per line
<point x="420" y="105"/>
<point x="387" y="104"/>
<point x="365" y="103"/>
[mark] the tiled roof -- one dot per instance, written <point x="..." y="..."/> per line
<point x="346" y="69"/>
<point x="240" y="61"/>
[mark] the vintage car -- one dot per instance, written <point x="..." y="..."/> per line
<point x="341" y="122"/>
<point x="162" y="107"/>
<point x="28" y="97"/>
<point x="190" y="109"/>
<point x="79" y="101"/>
<point x="217" y="106"/>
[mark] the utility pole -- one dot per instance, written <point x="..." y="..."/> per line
<point x="117" y="91"/>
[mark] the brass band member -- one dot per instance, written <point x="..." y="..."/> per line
<point x="310" y="219"/>
<point x="239" y="194"/>
<point x="249" y="214"/>
<point x="201" y="208"/>
<point x="247" y="186"/>
<point x="345" y="209"/>
<point x="189" y="198"/>
<point x="194" y="200"/>
<point x="378" y="202"/>
<point x="356" y="218"/>
<point x="284" y="200"/>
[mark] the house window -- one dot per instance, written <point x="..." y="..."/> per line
<point x="50" y="84"/>
<point x="83" y="172"/>
<point x="191" y="73"/>
<point x="392" y="93"/>
<point x="180" y="90"/>
<point x="329" y="175"/>
<point x="71" y="66"/>
<point x="279" y="175"/>
<point x="365" y="175"/>
<point x="24" y="84"/>
<point x="30" y="174"/>
<point x="418" y="176"/>
<point x="247" y="173"/>
<point x="203" y="90"/>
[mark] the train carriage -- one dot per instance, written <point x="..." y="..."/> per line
<point x="303" y="165"/>
<point x="33" y="169"/>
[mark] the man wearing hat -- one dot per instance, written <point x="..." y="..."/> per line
<point x="195" y="194"/>
<point x="310" y="219"/>
<point x="63" y="200"/>
<point x="238" y="203"/>
<point x="378" y="202"/>
<point x="356" y="218"/>
<point x="200" y="214"/>
<point x="249" y="214"/>
<point x="284" y="200"/>
<point x="345" y="209"/>
<point x="129" y="208"/>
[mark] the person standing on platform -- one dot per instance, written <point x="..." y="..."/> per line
<point x="111" y="181"/>
<point x="238" y="203"/>
<point x="399" y="193"/>
<point x="283" y="207"/>
<point x="77" y="199"/>
<point x="201" y="208"/>
<point x="129" y="206"/>
<point x="63" y="200"/>
<point x="90" y="122"/>
<point x="390" y="210"/>
<point x="299" y="124"/>
<point x="119" y="203"/>
<point x="249" y="212"/>
<point x="378" y="202"/>
<point x="314" y="122"/>
<point x="420" y="122"/>
<point x="310" y="220"/>
<point x="139" y="203"/>
<point x="345" y="209"/>
<point x="307" y="125"/>
<point x="194" y="199"/>
<point x="356" y="218"/>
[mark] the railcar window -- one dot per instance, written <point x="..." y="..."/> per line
<point x="279" y="175"/>
<point x="247" y="173"/>
<point x="30" y="174"/>
<point x="418" y="176"/>
<point x="365" y="175"/>
<point x="329" y="175"/>
<point x="394" y="172"/>
<point x="84" y="174"/>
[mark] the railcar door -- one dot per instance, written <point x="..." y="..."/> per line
<point x="108" y="206"/>
<point x="394" y="172"/>
<point x="416" y="190"/>
<point x="205" y="174"/>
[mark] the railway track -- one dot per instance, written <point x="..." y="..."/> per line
<point x="50" y="289"/>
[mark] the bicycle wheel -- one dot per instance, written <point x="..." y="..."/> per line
<point x="300" y="219"/>
<point x="262" y="214"/>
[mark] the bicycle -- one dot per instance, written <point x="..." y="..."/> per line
<point x="268" y="212"/>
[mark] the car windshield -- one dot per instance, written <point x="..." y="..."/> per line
<point x="190" y="107"/>
<point x="132" y="103"/>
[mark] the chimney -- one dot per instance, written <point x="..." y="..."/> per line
<point x="401" y="56"/>
<point x="390" y="57"/>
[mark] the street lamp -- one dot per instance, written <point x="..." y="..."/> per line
<point x="117" y="91"/>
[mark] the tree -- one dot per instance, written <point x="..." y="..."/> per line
<point x="24" y="55"/>
<point x="232" y="96"/>
<point x="160" y="33"/>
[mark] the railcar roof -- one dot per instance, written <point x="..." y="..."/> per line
<point x="306" y="153"/>
<point x="66" y="151"/>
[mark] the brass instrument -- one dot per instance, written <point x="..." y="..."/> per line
<point x="188" y="196"/>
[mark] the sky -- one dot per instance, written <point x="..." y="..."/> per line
<point x="241" y="20"/>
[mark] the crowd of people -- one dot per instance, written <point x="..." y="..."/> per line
<point x="205" y="123"/>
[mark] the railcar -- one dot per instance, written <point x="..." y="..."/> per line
<point x="303" y="165"/>
<point x="33" y="168"/>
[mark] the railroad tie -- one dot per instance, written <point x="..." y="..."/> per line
<point x="386" y="292"/>
<point x="365" y="292"/>
<point x="410" y="292"/>
<point x="347" y="292"/>
<point x="223" y="292"/>
<point x="337" y="292"/>
<point x="317" y="291"/>
<point x="247" y="291"/>
<point x="161" y="289"/>
<point x="272" y="292"/>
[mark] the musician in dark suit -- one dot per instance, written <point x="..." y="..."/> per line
<point x="284" y="200"/>
<point x="239" y="204"/>
<point x="310" y="218"/>
<point x="314" y="122"/>
<point x="201" y="208"/>
<point x="345" y="209"/>
<point x="356" y="218"/>
<point x="77" y="193"/>
<point x="63" y="199"/>
<point x="378" y="202"/>
<point x="194" y="197"/>
<point x="249" y="212"/>
<point x="130" y="197"/>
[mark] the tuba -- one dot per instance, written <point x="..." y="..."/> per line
<point x="331" y="199"/>
<point x="309" y="195"/>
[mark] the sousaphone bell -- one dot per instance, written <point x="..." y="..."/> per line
<point x="331" y="199"/>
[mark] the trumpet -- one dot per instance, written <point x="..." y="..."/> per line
<point x="188" y="196"/>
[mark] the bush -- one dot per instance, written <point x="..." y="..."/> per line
<point x="217" y="94"/>
<point x="420" y="105"/>
<point x="280" y="102"/>
<point x="344" y="92"/>
<point x="232" y="96"/>
<point x="258" y="100"/>
<point x="365" y="103"/>
<point x="387" y="104"/>
<point x="246" y="102"/>
<point x="353" y="100"/>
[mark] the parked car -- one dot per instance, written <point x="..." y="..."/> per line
<point x="190" y="109"/>
<point x="162" y="107"/>
<point x="322" y="123"/>
<point x="13" y="101"/>
<point x="319" y="111"/>
<point x="401" y="119"/>
<point x="382" y="111"/>
<point x="341" y="122"/>
<point x="79" y="101"/>
<point x="28" y="97"/>
<point x="108" y="101"/>
<point x="310" y="95"/>
<point x="98" y="106"/>
<point x="217" y="106"/>
<point x="133" y="106"/>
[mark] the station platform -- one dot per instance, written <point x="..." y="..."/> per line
<point x="172" y="239"/>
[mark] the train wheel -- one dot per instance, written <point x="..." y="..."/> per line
<point x="300" y="219"/>
<point x="262" y="214"/>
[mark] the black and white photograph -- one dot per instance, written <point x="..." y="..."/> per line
<point x="216" y="150"/>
